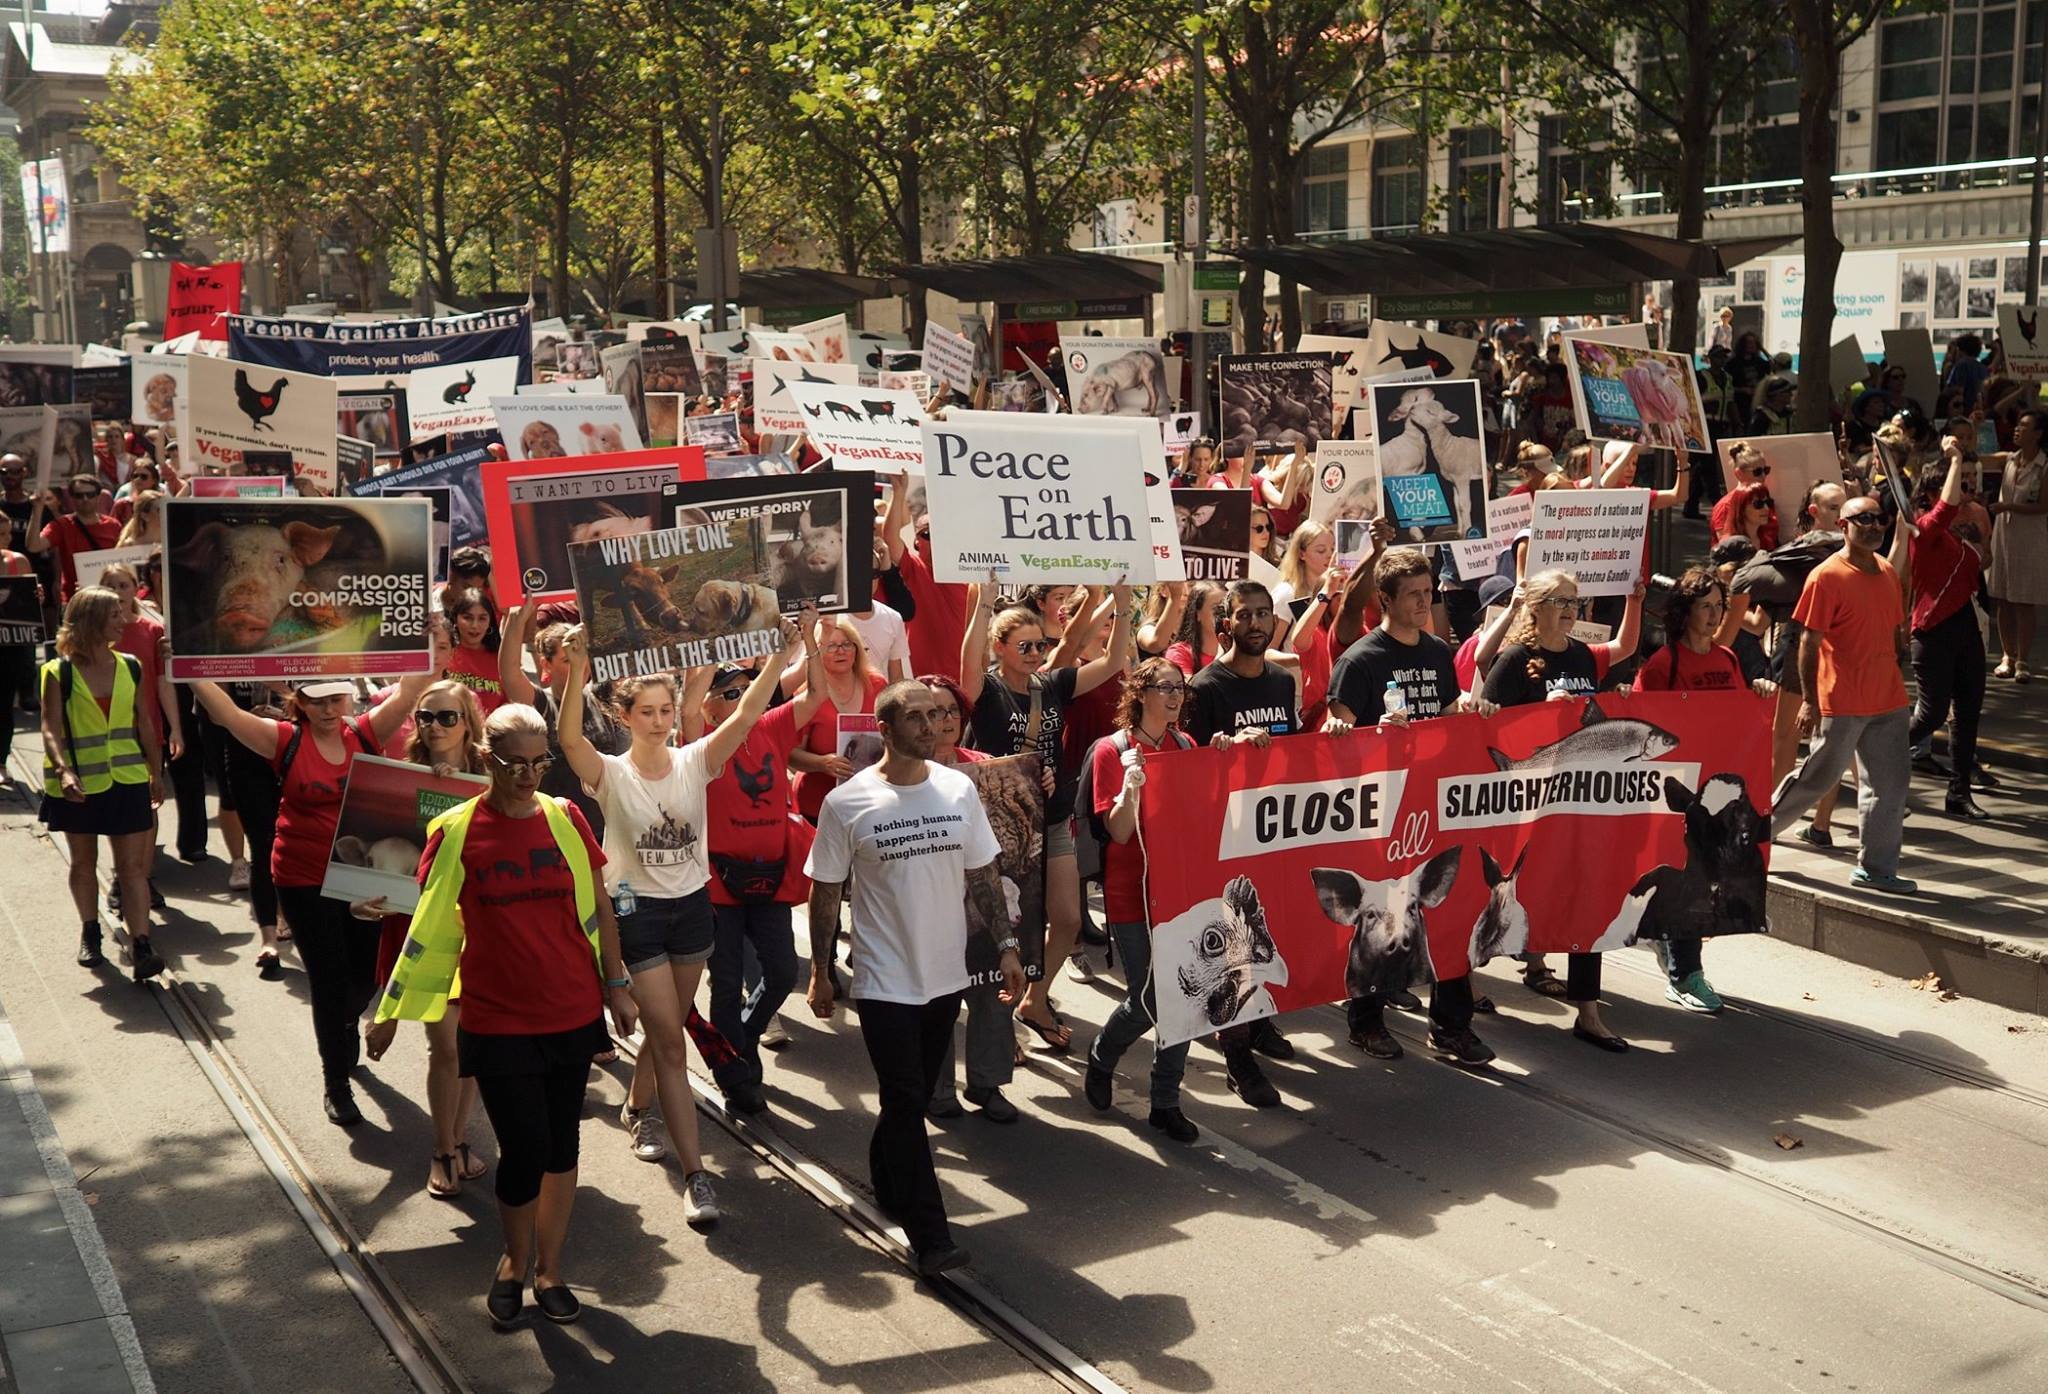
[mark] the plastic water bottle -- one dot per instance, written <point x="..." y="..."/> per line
<point x="625" y="901"/>
<point x="1395" y="702"/>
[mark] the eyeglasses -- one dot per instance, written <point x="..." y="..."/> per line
<point x="536" y="767"/>
<point x="1033" y="646"/>
<point x="1166" y="689"/>
<point x="945" y="713"/>
<point x="450" y="717"/>
<point x="839" y="646"/>
<point x="1561" y="602"/>
<point x="730" y="694"/>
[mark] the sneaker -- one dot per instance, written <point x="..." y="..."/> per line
<point x="238" y="874"/>
<point x="1890" y="885"/>
<point x="1377" y="1041"/>
<point x="1267" y="1040"/>
<point x="147" y="961"/>
<point x="700" y="1202"/>
<point x="1174" y="1124"/>
<point x="1249" y="1082"/>
<point x="1816" y="837"/>
<point x="341" y="1107"/>
<point x="1078" y="965"/>
<point x="775" y="1038"/>
<point x="994" y="1107"/>
<point x="1099" y="1087"/>
<point x="644" y="1132"/>
<point x="89" y="955"/>
<point x="1694" y="993"/>
<point x="1460" y="1045"/>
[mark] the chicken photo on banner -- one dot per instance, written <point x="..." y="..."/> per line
<point x="455" y="398"/>
<point x="239" y="406"/>
<point x="1320" y="869"/>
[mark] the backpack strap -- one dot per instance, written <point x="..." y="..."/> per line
<point x="66" y="679"/>
<point x="291" y="753"/>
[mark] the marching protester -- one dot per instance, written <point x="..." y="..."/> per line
<point x="2019" y="545"/>
<point x="600" y="727"/>
<point x="909" y="943"/>
<point x="142" y="639"/>
<point x="850" y="686"/>
<point x="938" y="613"/>
<point x="1200" y="636"/>
<point x="83" y="529"/>
<point x="103" y="771"/>
<point x="474" y="643"/>
<point x="1947" y="647"/>
<point x="539" y="961"/>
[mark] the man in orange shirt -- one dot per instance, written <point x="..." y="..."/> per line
<point x="1850" y="661"/>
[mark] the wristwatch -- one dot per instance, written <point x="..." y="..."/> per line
<point x="1007" y="946"/>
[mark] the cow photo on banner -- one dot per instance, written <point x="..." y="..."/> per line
<point x="1014" y="799"/>
<point x="537" y="509"/>
<point x="1272" y="401"/>
<point x="1432" y="458"/>
<point x="555" y="426"/>
<point x="819" y="526"/>
<point x="872" y="428"/>
<point x="454" y="399"/>
<point x="292" y="588"/>
<point x="1632" y="394"/>
<point x="236" y="407"/>
<point x="382" y="831"/>
<point x="460" y="473"/>
<point x="1115" y="377"/>
<point x="1215" y="528"/>
<point x="675" y="598"/>
<point x="1321" y="869"/>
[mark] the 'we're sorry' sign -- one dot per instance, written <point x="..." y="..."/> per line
<point x="1030" y="502"/>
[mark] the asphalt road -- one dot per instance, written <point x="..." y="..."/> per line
<point x="1565" y="1220"/>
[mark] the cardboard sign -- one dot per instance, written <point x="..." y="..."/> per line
<point x="1014" y="497"/>
<point x="238" y="486"/>
<point x="560" y="426"/>
<point x="93" y="565"/>
<point x="1115" y="377"/>
<point x="238" y="406"/>
<point x="1014" y="800"/>
<point x="828" y="338"/>
<point x="1348" y="371"/>
<point x="460" y="473"/>
<point x="1273" y="401"/>
<point x="669" y="365"/>
<point x="1913" y="350"/>
<point x="455" y="399"/>
<point x="1641" y="395"/>
<point x="1797" y="464"/>
<point x="201" y="298"/>
<point x="860" y="741"/>
<point x="818" y="527"/>
<point x="949" y="357"/>
<point x="1432" y="458"/>
<point x="21" y="610"/>
<point x="539" y="508"/>
<point x="1597" y="535"/>
<point x="717" y="433"/>
<point x="775" y="411"/>
<point x="293" y="588"/>
<point x="381" y="833"/>
<point x="655" y="602"/>
<point x="1215" y="528"/>
<point x="872" y="428"/>
<point x="156" y="383"/>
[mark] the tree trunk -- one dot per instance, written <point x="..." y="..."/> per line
<point x="910" y="222"/>
<point x="565" y="188"/>
<point x="1819" y="77"/>
<point x="1282" y="194"/>
<point x="1695" y="147"/>
<point x="444" y="247"/>
<point x="658" y="172"/>
<point x="1251" y="286"/>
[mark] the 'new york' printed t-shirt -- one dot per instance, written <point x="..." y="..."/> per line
<point x="654" y="828"/>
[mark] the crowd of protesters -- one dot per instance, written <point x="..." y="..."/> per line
<point x="671" y="824"/>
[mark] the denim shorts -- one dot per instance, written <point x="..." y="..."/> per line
<point x="667" y="931"/>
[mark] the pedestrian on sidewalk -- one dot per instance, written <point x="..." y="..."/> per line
<point x="509" y="900"/>
<point x="1948" y="648"/>
<point x="2019" y="545"/>
<point x="103" y="770"/>
<point x="921" y="843"/>
<point x="1853" y="646"/>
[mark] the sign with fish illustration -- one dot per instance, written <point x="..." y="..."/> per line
<point x="1318" y="869"/>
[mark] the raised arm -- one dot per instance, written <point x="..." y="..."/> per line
<point x="256" y="732"/>
<point x="690" y="705"/>
<point x="390" y="714"/>
<point x="733" y="730"/>
<point x="1623" y="645"/>
<point x="1098" y="671"/>
<point x="1088" y="618"/>
<point x="974" y="639"/>
<point x="1493" y="636"/>
<point x="1156" y="633"/>
<point x="36" y="542"/>
<point x="898" y="515"/>
<point x="576" y="747"/>
<point x="512" y="677"/>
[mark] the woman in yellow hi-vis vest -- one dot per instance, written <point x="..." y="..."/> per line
<point x="510" y="899"/>
<point x="103" y="770"/>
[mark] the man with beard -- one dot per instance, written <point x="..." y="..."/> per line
<point x="1242" y="697"/>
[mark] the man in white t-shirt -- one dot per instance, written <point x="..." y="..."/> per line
<point x="920" y="841"/>
<point x="888" y="641"/>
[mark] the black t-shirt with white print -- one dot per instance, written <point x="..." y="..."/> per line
<point x="1423" y="669"/>
<point x="1220" y="700"/>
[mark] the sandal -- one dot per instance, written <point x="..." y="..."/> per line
<point x="1541" y="981"/>
<point x="454" y="1186"/>
<point x="472" y="1167"/>
<point x="268" y="966"/>
<point x="284" y="934"/>
<point x="1050" y="1037"/>
<point x="605" y="1057"/>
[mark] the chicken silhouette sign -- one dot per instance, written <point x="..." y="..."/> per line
<point x="236" y="407"/>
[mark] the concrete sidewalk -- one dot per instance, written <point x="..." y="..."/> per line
<point x="64" y="1325"/>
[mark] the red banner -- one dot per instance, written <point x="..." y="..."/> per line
<point x="200" y="297"/>
<point x="1322" y="867"/>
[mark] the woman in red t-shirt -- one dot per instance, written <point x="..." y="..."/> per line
<point x="473" y="658"/>
<point x="1196" y="644"/>
<point x="339" y="952"/>
<point x="1147" y="721"/>
<point x="851" y="684"/>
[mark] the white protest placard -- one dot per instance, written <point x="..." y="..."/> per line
<point x="1476" y="559"/>
<point x="2026" y="343"/>
<point x="1392" y="345"/>
<point x="949" y="357"/>
<point x="156" y="385"/>
<point x="827" y="338"/>
<point x="775" y="411"/>
<point x="236" y="407"/>
<point x="915" y="381"/>
<point x="552" y="426"/>
<point x="1348" y="370"/>
<point x="1027" y="500"/>
<point x="1167" y="562"/>
<point x="1115" y="377"/>
<point x="1505" y="519"/>
<point x="93" y="565"/>
<point x="776" y="343"/>
<point x="1347" y="479"/>
<point x="454" y="399"/>
<point x="1595" y="534"/>
<point x="868" y="428"/>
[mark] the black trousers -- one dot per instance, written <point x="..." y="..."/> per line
<point x="340" y="954"/>
<point x="1582" y="977"/>
<point x="17" y="682"/>
<point x="906" y="1041"/>
<point x="251" y="788"/>
<point x="740" y="1014"/>
<point x="188" y="778"/>
<point x="538" y="1119"/>
<point x="1948" y="666"/>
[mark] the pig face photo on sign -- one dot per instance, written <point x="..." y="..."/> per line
<point x="1211" y="964"/>
<point x="1431" y="458"/>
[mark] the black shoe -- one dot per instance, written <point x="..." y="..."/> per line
<point x="994" y="1107"/>
<point x="89" y="955"/>
<point x="507" y="1297"/>
<point x="1249" y="1082"/>
<point x="1816" y="837"/>
<point x="932" y="1262"/>
<point x="193" y="858"/>
<point x="1404" y="1000"/>
<point x="1983" y="779"/>
<point x="1613" y="1044"/>
<point x="1267" y="1040"/>
<point x="1927" y="764"/>
<point x="1964" y="807"/>
<point x="1460" y="1045"/>
<point x="1099" y="1087"/>
<point x="341" y="1107"/>
<point x="741" y="1097"/>
<point x="557" y="1304"/>
<point x="1174" y="1124"/>
<point x="1377" y="1041"/>
<point x="156" y="897"/>
<point x="147" y="962"/>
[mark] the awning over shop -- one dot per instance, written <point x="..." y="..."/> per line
<point x="1063" y="277"/>
<point x="805" y="285"/>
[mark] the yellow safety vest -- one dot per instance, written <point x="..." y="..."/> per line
<point x="424" y="978"/>
<point x="105" y="750"/>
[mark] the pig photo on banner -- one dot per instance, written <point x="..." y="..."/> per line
<point x="538" y="508"/>
<point x="1014" y="800"/>
<point x="1346" y="481"/>
<point x="461" y="473"/>
<point x="873" y="428"/>
<point x="655" y="602"/>
<point x="1215" y="527"/>
<point x="21" y="611"/>
<point x="382" y="831"/>
<point x="859" y="741"/>
<point x="748" y="466"/>
<point x="295" y="588"/>
<point x="1115" y="377"/>
<point x="1272" y="401"/>
<point x="1432" y="459"/>
<point x="235" y="407"/>
<point x="1642" y="395"/>
<point x="1313" y="871"/>
<point x="553" y="427"/>
<point x="156" y="381"/>
<point x="829" y="338"/>
<point x="819" y="527"/>
<point x="455" y="399"/>
<point x="1598" y="535"/>
<point x="669" y="365"/>
<point x="775" y="411"/>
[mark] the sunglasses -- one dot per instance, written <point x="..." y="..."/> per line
<point x="1868" y="519"/>
<point x="730" y="694"/>
<point x="450" y="717"/>
<point x="536" y="767"/>
<point x="1034" y="646"/>
<point x="1760" y="472"/>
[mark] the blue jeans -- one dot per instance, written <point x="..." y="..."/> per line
<point x="1136" y="1015"/>
<point x="741" y="1015"/>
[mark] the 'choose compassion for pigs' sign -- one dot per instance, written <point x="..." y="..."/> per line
<point x="1031" y="502"/>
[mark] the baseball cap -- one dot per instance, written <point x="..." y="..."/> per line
<point x="315" y="688"/>
<point x="728" y="674"/>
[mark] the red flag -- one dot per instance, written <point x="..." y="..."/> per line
<point x="200" y="296"/>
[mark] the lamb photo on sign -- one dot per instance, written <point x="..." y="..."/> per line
<point x="1432" y="460"/>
